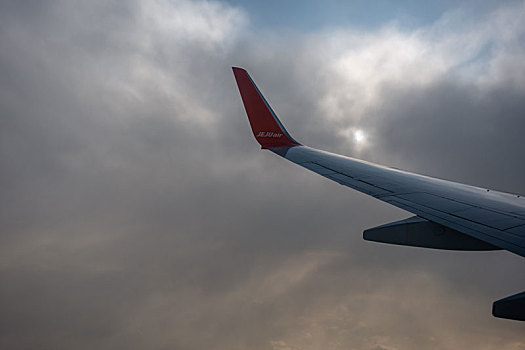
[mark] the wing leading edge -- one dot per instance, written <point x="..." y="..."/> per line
<point x="490" y="218"/>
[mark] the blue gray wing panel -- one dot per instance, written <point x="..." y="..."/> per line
<point x="495" y="217"/>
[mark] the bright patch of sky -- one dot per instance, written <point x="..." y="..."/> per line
<point x="313" y="15"/>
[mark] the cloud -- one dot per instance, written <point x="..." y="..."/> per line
<point x="138" y="212"/>
<point x="361" y="70"/>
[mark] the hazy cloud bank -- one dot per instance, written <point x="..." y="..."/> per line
<point x="137" y="211"/>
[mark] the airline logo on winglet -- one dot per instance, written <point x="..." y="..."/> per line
<point x="269" y="134"/>
<point x="266" y="127"/>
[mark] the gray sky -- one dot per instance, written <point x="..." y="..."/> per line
<point x="138" y="212"/>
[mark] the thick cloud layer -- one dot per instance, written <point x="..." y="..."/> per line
<point x="137" y="211"/>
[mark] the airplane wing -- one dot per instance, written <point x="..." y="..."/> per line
<point x="448" y="215"/>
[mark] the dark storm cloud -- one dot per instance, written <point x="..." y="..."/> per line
<point x="138" y="213"/>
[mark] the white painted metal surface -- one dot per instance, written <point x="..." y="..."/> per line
<point x="494" y="217"/>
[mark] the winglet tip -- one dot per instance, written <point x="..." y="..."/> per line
<point x="238" y="69"/>
<point x="266" y="127"/>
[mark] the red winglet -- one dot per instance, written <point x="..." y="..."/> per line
<point x="266" y="127"/>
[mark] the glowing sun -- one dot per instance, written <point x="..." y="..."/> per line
<point x="359" y="136"/>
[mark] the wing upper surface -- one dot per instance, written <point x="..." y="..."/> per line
<point x="495" y="217"/>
